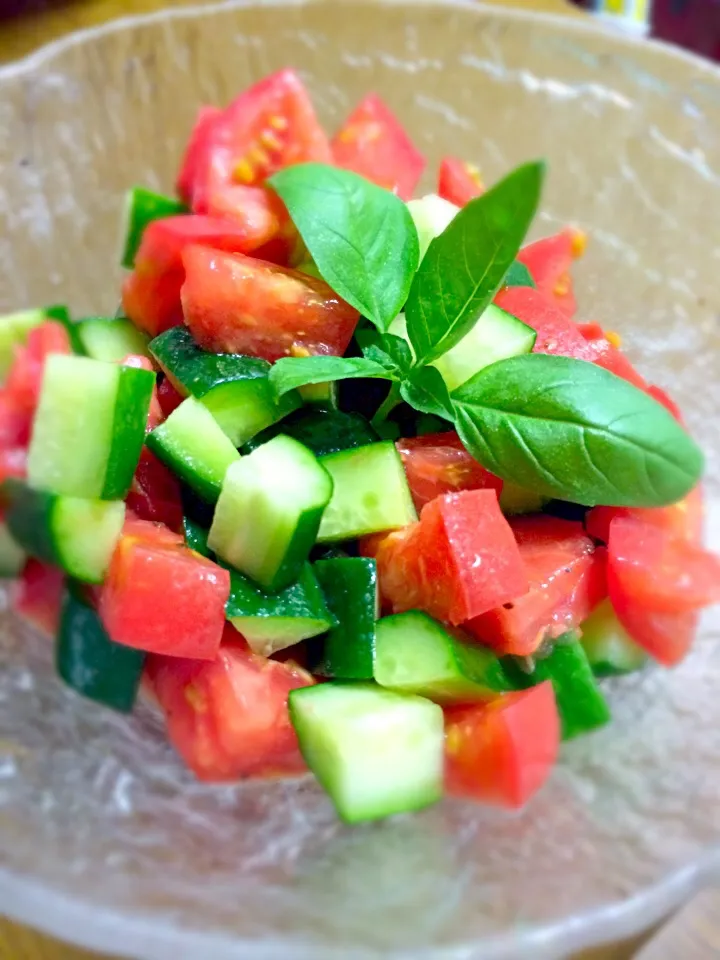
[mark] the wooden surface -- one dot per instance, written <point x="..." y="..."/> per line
<point x="695" y="932"/>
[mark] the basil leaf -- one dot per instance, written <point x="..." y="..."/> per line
<point x="388" y="349"/>
<point x="291" y="372"/>
<point x="465" y="266"/>
<point x="426" y="391"/>
<point x="518" y="276"/>
<point x="361" y="237"/>
<point x="571" y="430"/>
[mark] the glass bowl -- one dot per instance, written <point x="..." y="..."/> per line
<point x="104" y="839"/>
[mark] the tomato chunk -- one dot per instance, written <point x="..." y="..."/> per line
<point x="567" y="580"/>
<point x="374" y="144"/>
<point x="502" y="752"/>
<point x="155" y="493"/>
<point x="459" y="181"/>
<point x="228" y="718"/>
<point x="236" y="304"/>
<point x="37" y="595"/>
<point x="195" y="151"/>
<point x="162" y="597"/>
<point x="609" y="356"/>
<point x="459" y="560"/>
<point x="24" y="379"/>
<point x="556" y="333"/>
<point x="438" y="463"/>
<point x="169" y="397"/>
<point x="549" y="261"/>
<point x="683" y="519"/>
<point x="657" y="393"/>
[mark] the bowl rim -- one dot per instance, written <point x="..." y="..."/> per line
<point x="46" y="908"/>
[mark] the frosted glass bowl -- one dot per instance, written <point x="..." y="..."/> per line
<point x="104" y="839"/>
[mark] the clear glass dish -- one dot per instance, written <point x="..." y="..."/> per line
<point x="104" y="839"/>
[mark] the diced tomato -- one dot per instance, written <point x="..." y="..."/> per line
<point x="236" y="304"/>
<point x="15" y="421"/>
<point x="609" y="356"/>
<point x="155" y="492"/>
<point x="502" y="752"/>
<point x="556" y="333"/>
<point x="195" y="151"/>
<point x="567" y="580"/>
<point x="228" y="719"/>
<point x="13" y="463"/>
<point x="374" y="144"/>
<point x="459" y="181"/>
<point x="24" y="380"/>
<point x="162" y="597"/>
<point x="549" y="261"/>
<point x="657" y="393"/>
<point x="459" y="560"/>
<point x="438" y="463"/>
<point x="37" y="595"/>
<point x="168" y="397"/>
<point x="151" y="293"/>
<point x="683" y="519"/>
<point x="151" y="532"/>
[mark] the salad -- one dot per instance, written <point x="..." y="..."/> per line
<point x="347" y="483"/>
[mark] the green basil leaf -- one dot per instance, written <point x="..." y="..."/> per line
<point x="425" y="390"/>
<point x="361" y="237"/>
<point x="291" y="372"/>
<point x="466" y="265"/>
<point x="518" y="276"/>
<point x="388" y="349"/>
<point x="571" y="430"/>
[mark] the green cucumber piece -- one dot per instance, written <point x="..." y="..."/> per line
<point x="515" y="500"/>
<point x="88" y="660"/>
<point x="351" y="590"/>
<point x="322" y="395"/>
<point x="416" y="654"/>
<point x="14" y="330"/>
<point x="142" y="206"/>
<point x="580" y="703"/>
<point x="12" y="555"/>
<point x="196" y="537"/>
<point x="323" y="431"/>
<point x="111" y="339"/>
<point x="431" y="215"/>
<point x="370" y="494"/>
<point x="75" y="534"/>
<point x="89" y="427"/>
<point x="269" y="510"/>
<point x="375" y="752"/>
<point x="195" y="448"/>
<point x="609" y="648"/>
<point x="273" y="621"/>
<point x="234" y="388"/>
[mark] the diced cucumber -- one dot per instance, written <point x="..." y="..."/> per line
<point x="272" y="621"/>
<point x="111" y="339"/>
<point x="375" y="752"/>
<point x="416" y="654"/>
<point x="515" y="500"/>
<point x="323" y="395"/>
<point x="234" y="388"/>
<point x="323" y="431"/>
<point x="194" y="447"/>
<point x="75" y="534"/>
<point x="89" y="662"/>
<point x="269" y="510"/>
<point x="12" y="555"/>
<point x="14" y="329"/>
<point x="431" y="215"/>
<point x="351" y="590"/>
<point x="609" y="648"/>
<point x="89" y="427"/>
<point x="581" y="705"/>
<point x="142" y="206"/>
<point x="196" y="537"/>
<point x="370" y="492"/>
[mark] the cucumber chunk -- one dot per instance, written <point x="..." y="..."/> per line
<point x="269" y="510"/>
<point x="89" y="427"/>
<point x="375" y="752"/>
<point x="323" y="431"/>
<point x="234" y="388"/>
<point x="142" y="206"/>
<point x="75" y="534"/>
<point x="370" y="494"/>
<point x="111" y="339"/>
<point x="609" y="648"/>
<point x="196" y="537"/>
<point x="416" y="654"/>
<point x="12" y="555"/>
<point x="351" y="590"/>
<point x="273" y="621"/>
<point x="431" y="215"/>
<point x="322" y="395"/>
<point x="14" y="329"/>
<point x="195" y="448"/>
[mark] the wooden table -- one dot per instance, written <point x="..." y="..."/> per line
<point x="695" y="933"/>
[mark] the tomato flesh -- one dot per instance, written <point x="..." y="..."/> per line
<point x="556" y="333"/>
<point x="549" y="261"/>
<point x="459" y="560"/>
<point x="438" y="463"/>
<point x="567" y="579"/>
<point x="24" y="380"/>
<point x="168" y="396"/>
<point x="374" y="144"/>
<point x="237" y="304"/>
<point x="607" y="355"/>
<point x="37" y="595"/>
<point x="657" y="393"/>
<point x="155" y="493"/>
<point x="161" y="597"/>
<point x="683" y="519"/>
<point x="459" y="181"/>
<point x="195" y="151"/>
<point x="228" y="718"/>
<point x="502" y="752"/>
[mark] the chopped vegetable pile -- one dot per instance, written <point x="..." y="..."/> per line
<point x="345" y="484"/>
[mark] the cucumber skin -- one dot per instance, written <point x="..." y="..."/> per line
<point x="29" y="519"/>
<point x="323" y="432"/>
<point x="135" y="387"/>
<point x="143" y="206"/>
<point x="350" y="588"/>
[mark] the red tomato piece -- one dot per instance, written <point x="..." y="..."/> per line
<point x="195" y="151"/>
<point x="609" y="356"/>
<point x="683" y="519"/>
<point x="24" y="380"/>
<point x="374" y="144"/>
<point x="567" y="580"/>
<point x="228" y="719"/>
<point x="459" y="181"/>
<point x="37" y="595"/>
<point x="556" y="333"/>
<point x="236" y="304"/>
<point x="155" y="493"/>
<point x="15" y="421"/>
<point x="162" y="597"/>
<point x="502" y="752"/>
<point x="459" y="560"/>
<point x="169" y="397"/>
<point x="438" y="463"/>
<point x="657" y="393"/>
<point x="549" y="261"/>
<point x="13" y="463"/>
